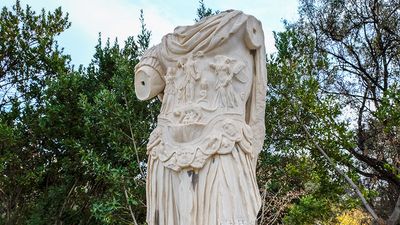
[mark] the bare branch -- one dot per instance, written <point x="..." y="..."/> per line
<point x="395" y="216"/>
<point x="347" y="178"/>
<point x="129" y="206"/>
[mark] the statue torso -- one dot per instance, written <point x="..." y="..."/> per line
<point x="203" y="107"/>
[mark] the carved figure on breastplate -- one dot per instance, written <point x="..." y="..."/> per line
<point x="169" y="92"/>
<point x="226" y="68"/>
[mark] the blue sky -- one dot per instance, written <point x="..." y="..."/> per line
<point x="120" y="19"/>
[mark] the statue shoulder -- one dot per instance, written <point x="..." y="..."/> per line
<point x="149" y="74"/>
<point x="254" y="35"/>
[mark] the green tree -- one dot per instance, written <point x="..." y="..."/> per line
<point x="29" y="58"/>
<point x="361" y="40"/>
<point x="116" y="128"/>
<point x="298" y="124"/>
<point x="203" y="11"/>
<point x="29" y="53"/>
<point x="72" y="143"/>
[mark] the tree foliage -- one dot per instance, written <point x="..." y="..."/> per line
<point x="294" y="102"/>
<point x="72" y="142"/>
<point x="203" y="11"/>
<point x="29" y="58"/>
<point x="29" y="53"/>
<point x="361" y="40"/>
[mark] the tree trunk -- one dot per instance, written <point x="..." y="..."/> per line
<point x="395" y="217"/>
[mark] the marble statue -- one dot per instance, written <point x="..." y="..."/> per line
<point x="211" y="79"/>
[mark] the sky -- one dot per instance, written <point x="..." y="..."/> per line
<point x="120" y="19"/>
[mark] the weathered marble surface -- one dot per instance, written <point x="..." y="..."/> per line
<point x="211" y="80"/>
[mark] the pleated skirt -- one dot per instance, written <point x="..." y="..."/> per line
<point x="223" y="192"/>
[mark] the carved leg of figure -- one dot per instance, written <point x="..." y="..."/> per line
<point x="223" y="192"/>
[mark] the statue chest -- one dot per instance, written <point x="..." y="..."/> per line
<point x="199" y="87"/>
<point x="203" y="110"/>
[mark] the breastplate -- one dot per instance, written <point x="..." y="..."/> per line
<point x="203" y="111"/>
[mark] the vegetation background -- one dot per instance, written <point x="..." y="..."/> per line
<point x="73" y="140"/>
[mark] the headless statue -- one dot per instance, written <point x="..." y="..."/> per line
<point x="211" y="79"/>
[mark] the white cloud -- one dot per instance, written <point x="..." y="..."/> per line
<point x="157" y="23"/>
<point x="270" y="12"/>
<point x="111" y="18"/>
<point x="120" y="18"/>
<point x="269" y="42"/>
